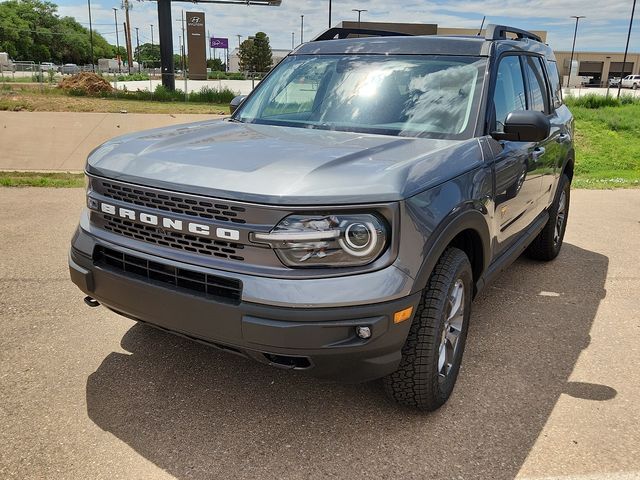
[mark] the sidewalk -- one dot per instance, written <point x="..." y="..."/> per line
<point x="62" y="140"/>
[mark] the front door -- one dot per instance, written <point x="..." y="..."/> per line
<point x="517" y="165"/>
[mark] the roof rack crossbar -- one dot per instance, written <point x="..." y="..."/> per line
<point x="343" y="33"/>
<point x="499" y="32"/>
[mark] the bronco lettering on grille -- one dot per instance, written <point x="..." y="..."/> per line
<point x="169" y="223"/>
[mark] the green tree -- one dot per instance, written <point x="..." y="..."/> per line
<point x="149" y="55"/>
<point x="263" y="58"/>
<point x="33" y="30"/>
<point x="255" y="54"/>
<point x="216" y="65"/>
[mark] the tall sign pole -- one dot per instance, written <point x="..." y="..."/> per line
<point x="166" y="44"/>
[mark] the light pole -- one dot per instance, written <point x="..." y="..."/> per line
<point x="93" y="66"/>
<point x="301" y="29"/>
<point x="626" y="49"/>
<point x="329" y="13"/>
<point x="154" y="62"/>
<point x="573" y="48"/>
<point x="115" y="16"/>
<point x="293" y="40"/>
<point x="360" y="11"/>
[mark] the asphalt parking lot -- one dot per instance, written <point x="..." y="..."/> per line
<point x="549" y="386"/>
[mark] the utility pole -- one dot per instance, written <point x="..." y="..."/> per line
<point x="301" y="29"/>
<point x="293" y="40"/>
<point x="125" y="4"/>
<point x="626" y="49"/>
<point x="127" y="43"/>
<point x="573" y="48"/>
<point x="138" y="48"/>
<point x="115" y="16"/>
<point x="93" y="63"/>
<point x="329" y="13"/>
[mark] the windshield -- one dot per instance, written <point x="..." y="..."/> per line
<point x="407" y="95"/>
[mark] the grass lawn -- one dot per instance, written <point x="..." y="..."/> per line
<point x="38" y="179"/>
<point x="607" y="146"/>
<point x="54" y="100"/>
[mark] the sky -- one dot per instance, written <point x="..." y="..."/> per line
<point x="604" y="28"/>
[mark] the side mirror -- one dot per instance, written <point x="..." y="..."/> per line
<point x="236" y="102"/>
<point x="524" y="126"/>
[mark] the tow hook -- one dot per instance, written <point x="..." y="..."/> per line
<point x="92" y="302"/>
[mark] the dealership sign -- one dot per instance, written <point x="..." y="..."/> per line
<point x="219" y="42"/>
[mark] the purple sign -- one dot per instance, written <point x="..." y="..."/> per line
<point x="219" y="42"/>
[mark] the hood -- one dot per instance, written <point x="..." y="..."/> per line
<point x="282" y="165"/>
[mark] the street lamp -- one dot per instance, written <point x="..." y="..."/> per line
<point x="329" y="13"/>
<point x="575" y="33"/>
<point x="93" y="66"/>
<point x="360" y="11"/>
<point x="626" y="49"/>
<point x="301" y="29"/>
<point x="293" y="40"/>
<point x="115" y="16"/>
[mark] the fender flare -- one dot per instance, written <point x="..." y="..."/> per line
<point x="469" y="219"/>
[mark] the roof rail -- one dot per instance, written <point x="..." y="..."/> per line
<point x="499" y="32"/>
<point x="343" y="33"/>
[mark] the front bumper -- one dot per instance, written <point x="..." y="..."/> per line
<point x="320" y="341"/>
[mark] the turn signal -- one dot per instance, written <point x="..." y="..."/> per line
<point x="402" y="315"/>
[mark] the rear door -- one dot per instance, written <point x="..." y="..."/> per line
<point x="546" y="155"/>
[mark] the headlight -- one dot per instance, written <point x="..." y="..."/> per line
<point x="327" y="241"/>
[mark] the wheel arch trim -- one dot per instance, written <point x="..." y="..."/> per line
<point x="469" y="219"/>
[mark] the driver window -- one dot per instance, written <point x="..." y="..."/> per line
<point x="509" y="94"/>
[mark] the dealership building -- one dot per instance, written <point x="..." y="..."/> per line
<point x="594" y="67"/>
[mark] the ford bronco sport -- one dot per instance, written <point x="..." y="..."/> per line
<point x="341" y="221"/>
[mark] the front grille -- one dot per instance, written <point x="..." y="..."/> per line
<point x="165" y="238"/>
<point x="172" y="202"/>
<point x="198" y="283"/>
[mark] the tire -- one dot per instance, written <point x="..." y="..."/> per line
<point x="635" y="86"/>
<point x="546" y="246"/>
<point x="423" y="380"/>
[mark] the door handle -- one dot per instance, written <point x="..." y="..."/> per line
<point x="537" y="153"/>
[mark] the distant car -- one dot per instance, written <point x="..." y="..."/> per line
<point x="69" y="69"/>
<point x="631" y="81"/>
<point x="614" y="82"/>
<point x="46" y="66"/>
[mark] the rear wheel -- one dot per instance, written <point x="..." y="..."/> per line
<point x="546" y="246"/>
<point x="432" y="354"/>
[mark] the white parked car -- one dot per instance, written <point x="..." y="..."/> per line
<point x="631" y="81"/>
<point x="46" y="66"/>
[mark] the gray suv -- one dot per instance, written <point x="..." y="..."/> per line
<point x="342" y="220"/>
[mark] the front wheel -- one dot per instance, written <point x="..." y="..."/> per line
<point x="433" y="350"/>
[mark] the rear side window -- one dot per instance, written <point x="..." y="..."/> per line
<point x="554" y="80"/>
<point x="509" y="94"/>
<point x="537" y="85"/>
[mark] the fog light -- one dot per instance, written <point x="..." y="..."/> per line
<point x="363" y="332"/>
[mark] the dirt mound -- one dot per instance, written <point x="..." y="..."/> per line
<point x="87" y="82"/>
